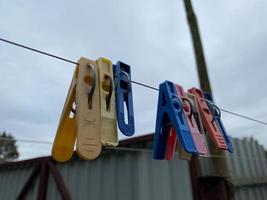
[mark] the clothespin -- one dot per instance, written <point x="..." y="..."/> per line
<point x="207" y="119"/>
<point x="83" y="121"/>
<point x="109" y="135"/>
<point x="173" y="144"/>
<point x="123" y="90"/>
<point x="217" y="118"/>
<point x="65" y="138"/>
<point x="188" y="110"/>
<point x="197" y="117"/>
<point x="170" y="113"/>
<point x="88" y="110"/>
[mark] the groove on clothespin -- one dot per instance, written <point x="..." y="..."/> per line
<point x="207" y="119"/>
<point x="65" y="138"/>
<point x="109" y="135"/>
<point x="170" y="113"/>
<point x="217" y="118"/>
<point x="123" y="91"/>
<point x="88" y="110"/>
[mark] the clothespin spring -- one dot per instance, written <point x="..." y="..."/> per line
<point x="186" y="100"/>
<point x="216" y="112"/>
<point x="108" y="85"/>
<point x="91" y="81"/>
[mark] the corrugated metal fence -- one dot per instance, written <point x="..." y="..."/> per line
<point x="126" y="174"/>
<point x="248" y="170"/>
<point x="114" y="175"/>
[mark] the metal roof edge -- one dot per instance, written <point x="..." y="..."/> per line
<point x="122" y="143"/>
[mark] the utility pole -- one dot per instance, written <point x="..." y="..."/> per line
<point x="215" y="183"/>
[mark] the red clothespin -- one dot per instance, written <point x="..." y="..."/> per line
<point x="207" y="119"/>
<point x="171" y="144"/>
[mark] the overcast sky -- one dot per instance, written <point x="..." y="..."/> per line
<point x="152" y="36"/>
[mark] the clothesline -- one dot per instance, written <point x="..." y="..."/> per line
<point x="134" y="82"/>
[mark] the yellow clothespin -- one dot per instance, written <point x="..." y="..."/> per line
<point x="65" y="138"/>
<point x="109" y="135"/>
<point x="85" y="122"/>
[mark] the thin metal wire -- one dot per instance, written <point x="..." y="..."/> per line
<point x="243" y="116"/>
<point x="134" y="82"/>
<point x="38" y="51"/>
<point x="130" y="149"/>
<point x="26" y="140"/>
<point x="144" y="85"/>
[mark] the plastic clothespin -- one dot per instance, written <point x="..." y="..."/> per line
<point x="188" y="110"/>
<point x="173" y="145"/>
<point x="88" y="110"/>
<point x="109" y="134"/>
<point x="196" y="113"/>
<point x="170" y="113"/>
<point x="207" y="119"/>
<point x="65" y="138"/>
<point x="123" y="91"/>
<point x="217" y="118"/>
<point x="197" y="117"/>
<point x="83" y="121"/>
<point x="173" y="142"/>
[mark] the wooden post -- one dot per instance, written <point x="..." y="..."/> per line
<point x="220" y="168"/>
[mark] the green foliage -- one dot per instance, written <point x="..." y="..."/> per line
<point x="8" y="147"/>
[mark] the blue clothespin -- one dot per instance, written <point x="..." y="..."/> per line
<point x="217" y="117"/>
<point x="170" y="114"/>
<point x="123" y="91"/>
